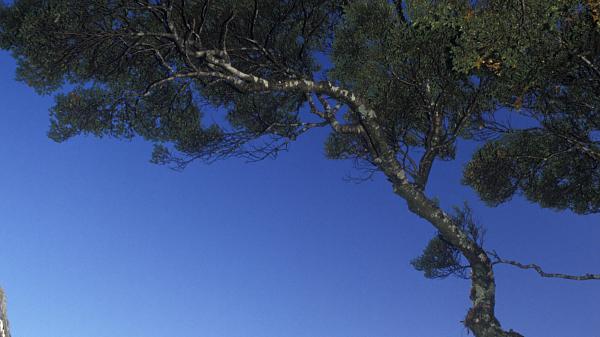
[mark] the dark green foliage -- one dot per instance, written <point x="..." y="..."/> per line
<point x="340" y="146"/>
<point x="405" y="70"/>
<point x="405" y="82"/>
<point x="546" y="169"/>
<point x="118" y="56"/>
<point x="435" y="72"/>
<point x="260" y="112"/>
<point x="440" y="258"/>
<point x="544" y="63"/>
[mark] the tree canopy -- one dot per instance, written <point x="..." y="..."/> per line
<point x="399" y="83"/>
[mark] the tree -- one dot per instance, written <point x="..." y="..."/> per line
<point x="546" y="55"/>
<point x="4" y="327"/>
<point x="399" y="84"/>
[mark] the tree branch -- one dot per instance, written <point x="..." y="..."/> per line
<point x="432" y="147"/>
<point x="539" y="270"/>
<point x="329" y="116"/>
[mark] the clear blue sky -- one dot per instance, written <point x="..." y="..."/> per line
<point x="98" y="242"/>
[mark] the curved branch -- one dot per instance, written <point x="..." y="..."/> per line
<point x="216" y="65"/>
<point x="539" y="270"/>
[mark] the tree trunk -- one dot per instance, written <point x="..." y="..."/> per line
<point x="4" y="328"/>
<point x="481" y="319"/>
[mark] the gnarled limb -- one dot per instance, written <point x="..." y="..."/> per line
<point x="481" y="318"/>
<point x="539" y="270"/>
<point x="200" y="63"/>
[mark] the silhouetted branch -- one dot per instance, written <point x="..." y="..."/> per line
<point x="539" y="270"/>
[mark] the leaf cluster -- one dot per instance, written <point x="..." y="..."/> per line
<point x="434" y="72"/>
<point x="402" y="63"/>
<point x="547" y="76"/>
<point x="119" y="57"/>
<point x="545" y="168"/>
<point x="440" y="258"/>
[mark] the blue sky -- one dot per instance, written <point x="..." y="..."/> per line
<point x="97" y="242"/>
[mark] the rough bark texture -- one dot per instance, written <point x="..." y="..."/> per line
<point x="481" y="318"/>
<point x="4" y="327"/>
<point x="212" y="64"/>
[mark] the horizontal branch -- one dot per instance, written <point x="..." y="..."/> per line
<point x="252" y="82"/>
<point x="539" y="270"/>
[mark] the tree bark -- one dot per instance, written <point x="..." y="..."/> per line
<point x="481" y="318"/>
<point x="4" y="327"/>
